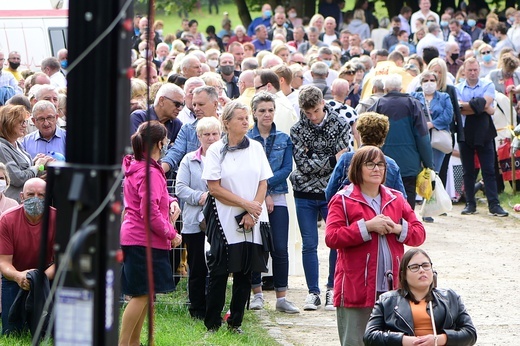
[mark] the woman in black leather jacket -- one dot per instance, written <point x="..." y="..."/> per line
<point x="403" y="317"/>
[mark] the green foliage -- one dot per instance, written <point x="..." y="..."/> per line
<point x="167" y="6"/>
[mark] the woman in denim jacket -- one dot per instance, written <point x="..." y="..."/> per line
<point x="278" y="148"/>
<point x="437" y="108"/>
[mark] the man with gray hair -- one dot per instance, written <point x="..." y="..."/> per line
<point x="191" y="66"/>
<point x="187" y="116"/>
<point x="319" y="72"/>
<point x="48" y="137"/>
<point x="271" y="60"/>
<point x="313" y="35"/>
<point x="51" y="67"/>
<point x="169" y="101"/>
<point x="205" y="104"/>
<point x="378" y="90"/>
<point x="408" y="141"/>
<point x="324" y="55"/>
<point x="431" y="39"/>
<point x="249" y="64"/>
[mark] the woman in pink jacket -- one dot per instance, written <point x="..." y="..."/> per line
<point x="153" y="211"/>
<point x="368" y="224"/>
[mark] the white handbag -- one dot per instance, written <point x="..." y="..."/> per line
<point x="439" y="139"/>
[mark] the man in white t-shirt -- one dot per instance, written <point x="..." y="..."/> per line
<point x="424" y="12"/>
<point x="330" y="31"/>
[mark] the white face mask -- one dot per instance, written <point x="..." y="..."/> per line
<point x="212" y="63"/>
<point x="429" y="87"/>
<point x="3" y="185"/>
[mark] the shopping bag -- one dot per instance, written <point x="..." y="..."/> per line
<point x="423" y="185"/>
<point x="439" y="203"/>
<point x="504" y="160"/>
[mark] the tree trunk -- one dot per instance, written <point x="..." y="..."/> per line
<point x="243" y="12"/>
<point x="394" y="7"/>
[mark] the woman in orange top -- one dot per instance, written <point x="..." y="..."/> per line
<point x="403" y="317"/>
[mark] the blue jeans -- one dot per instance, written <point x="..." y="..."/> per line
<point x="438" y="157"/>
<point x="279" y="220"/>
<point x="486" y="155"/>
<point x="307" y="213"/>
<point x="10" y="290"/>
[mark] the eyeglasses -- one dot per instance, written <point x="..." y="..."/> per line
<point x="429" y="80"/>
<point x="299" y="62"/>
<point x="261" y="86"/>
<point x="176" y="103"/>
<point x="486" y="52"/>
<point x="372" y="165"/>
<point x="302" y="77"/>
<point x="414" y="268"/>
<point x="350" y="72"/>
<point x="49" y="119"/>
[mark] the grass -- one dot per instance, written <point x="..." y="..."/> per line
<point x="174" y="326"/>
<point x="172" y="22"/>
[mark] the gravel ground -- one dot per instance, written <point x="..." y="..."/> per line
<point x="477" y="256"/>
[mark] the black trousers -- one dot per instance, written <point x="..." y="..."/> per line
<point x="409" y="187"/>
<point x="216" y="299"/>
<point x="197" y="273"/>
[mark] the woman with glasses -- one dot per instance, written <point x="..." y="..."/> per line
<point x="404" y="316"/>
<point x="13" y="124"/>
<point x="237" y="223"/>
<point x="368" y="224"/>
<point x="487" y="61"/>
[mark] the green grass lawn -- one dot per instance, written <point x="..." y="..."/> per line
<point x="174" y="326"/>
<point x="172" y="22"/>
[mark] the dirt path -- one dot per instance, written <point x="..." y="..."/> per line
<point x="478" y="256"/>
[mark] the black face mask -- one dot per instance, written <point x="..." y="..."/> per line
<point x="454" y="56"/>
<point x="14" y="65"/>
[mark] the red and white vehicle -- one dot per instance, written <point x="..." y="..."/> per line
<point x="36" y="29"/>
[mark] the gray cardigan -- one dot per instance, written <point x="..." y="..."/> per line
<point x="17" y="166"/>
<point x="189" y="188"/>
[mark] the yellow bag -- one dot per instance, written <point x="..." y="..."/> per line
<point x="423" y="186"/>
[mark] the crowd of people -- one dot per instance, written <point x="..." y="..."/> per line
<point x="342" y="105"/>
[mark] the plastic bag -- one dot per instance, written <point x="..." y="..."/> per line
<point x="423" y="186"/>
<point x="439" y="203"/>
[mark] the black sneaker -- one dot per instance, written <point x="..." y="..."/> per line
<point x="498" y="211"/>
<point x="235" y="330"/>
<point x="428" y="219"/>
<point x="469" y="210"/>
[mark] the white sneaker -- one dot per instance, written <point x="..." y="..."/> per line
<point x="329" y="301"/>
<point x="257" y="303"/>
<point x="312" y="302"/>
<point x="287" y="307"/>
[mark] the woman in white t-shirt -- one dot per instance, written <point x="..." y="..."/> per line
<point x="236" y="170"/>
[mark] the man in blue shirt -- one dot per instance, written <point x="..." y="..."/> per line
<point x="205" y="104"/>
<point x="476" y="99"/>
<point x="48" y="139"/>
<point x="265" y="20"/>
<point x="169" y="101"/>
<point x="261" y="42"/>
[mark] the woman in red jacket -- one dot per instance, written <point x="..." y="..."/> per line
<point x="368" y="224"/>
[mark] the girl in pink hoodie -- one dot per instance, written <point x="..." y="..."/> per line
<point x="137" y="220"/>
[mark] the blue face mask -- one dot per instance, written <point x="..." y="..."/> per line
<point x="64" y="63"/>
<point x="327" y="62"/>
<point x="462" y="80"/>
<point x="164" y="150"/>
<point x="461" y="22"/>
<point x="444" y="23"/>
<point x="268" y="13"/>
<point x="33" y="206"/>
<point x="472" y="22"/>
<point x="487" y="57"/>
